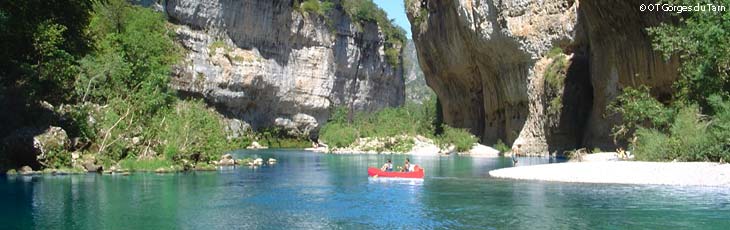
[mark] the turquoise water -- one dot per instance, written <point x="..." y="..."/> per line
<point x="317" y="191"/>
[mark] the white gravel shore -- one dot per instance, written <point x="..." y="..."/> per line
<point x="624" y="172"/>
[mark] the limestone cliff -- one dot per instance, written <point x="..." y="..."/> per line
<point x="490" y="64"/>
<point x="416" y="88"/>
<point x="268" y="64"/>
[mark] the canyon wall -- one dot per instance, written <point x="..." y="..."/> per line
<point x="493" y="65"/>
<point x="271" y="65"/>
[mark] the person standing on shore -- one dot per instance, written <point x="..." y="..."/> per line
<point x="515" y="153"/>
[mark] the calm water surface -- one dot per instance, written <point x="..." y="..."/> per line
<point x="316" y="191"/>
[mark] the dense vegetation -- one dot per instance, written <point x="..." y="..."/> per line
<point x="695" y="125"/>
<point x="554" y="76"/>
<point x="422" y="14"/>
<point x="108" y="63"/>
<point x="314" y="6"/>
<point x="397" y="124"/>
<point x="363" y="11"/>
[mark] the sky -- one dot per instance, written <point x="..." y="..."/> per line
<point x="396" y="10"/>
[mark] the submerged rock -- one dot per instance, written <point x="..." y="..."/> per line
<point x="204" y="167"/>
<point x="25" y="170"/>
<point x="256" y="162"/>
<point x="256" y="145"/>
<point x="482" y="151"/>
<point x="226" y="160"/>
<point x="91" y="167"/>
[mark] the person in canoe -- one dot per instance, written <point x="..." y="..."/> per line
<point x="388" y="166"/>
<point x="407" y="166"/>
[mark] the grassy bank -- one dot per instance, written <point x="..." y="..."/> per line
<point x="345" y="127"/>
<point x="105" y="66"/>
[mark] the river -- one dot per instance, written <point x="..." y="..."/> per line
<point x="318" y="191"/>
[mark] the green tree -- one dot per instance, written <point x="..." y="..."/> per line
<point x="44" y="35"/>
<point x="639" y="109"/>
<point x="694" y="125"/>
<point x="55" y="71"/>
<point x="701" y="40"/>
<point x="133" y="58"/>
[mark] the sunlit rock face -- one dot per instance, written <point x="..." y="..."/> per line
<point x="261" y="60"/>
<point x="487" y="61"/>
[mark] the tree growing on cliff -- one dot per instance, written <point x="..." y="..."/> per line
<point x="695" y="125"/>
<point x="362" y="11"/>
<point x="702" y="42"/>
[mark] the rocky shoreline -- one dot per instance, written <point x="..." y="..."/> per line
<point x="422" y="146"/>
<point x="226" y="161"/>
<point x="624" y="172"/>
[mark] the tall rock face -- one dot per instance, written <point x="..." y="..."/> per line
<point x="270" y="65"/>
<point x="494" y="64"/>
<point x="417" y="90"/>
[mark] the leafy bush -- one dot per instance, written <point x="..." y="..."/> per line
<point x="188" y="129"/>
<point x="317" y="7"/>
<point x="462" y="139"/>
<point x="283" y="142"/>
<point x="76" y="121"/>
<point x="679" y="130"/>
<point x="639" y="109"/>
<point x="401" y="145"/>
<point x="555" y="75"/>
<point x="338" y="135"/>
<point x="145" y="165"/>
<point x="218" y="44"/>
<point x="555" y="51"/>
<point x="344" y="128"/>
<point x="502" y="147"/>
<point x="557" y="67"/>
<point x="691" y="137"/>
<point x="57" y="158"/>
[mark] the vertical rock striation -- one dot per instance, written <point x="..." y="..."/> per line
<point x="268" y="64"/>
<point x="488" y="61"/>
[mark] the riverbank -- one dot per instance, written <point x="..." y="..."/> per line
<point x="125" y="167"/>
<point x="624" y="172"/>
<point x="421" y="146"/>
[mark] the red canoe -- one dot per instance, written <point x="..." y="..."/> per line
<point x="417" y="173"/>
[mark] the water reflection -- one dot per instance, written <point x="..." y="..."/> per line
<point x="308" y="190"/>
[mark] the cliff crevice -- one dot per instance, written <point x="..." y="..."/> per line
<point x="538" y="73"/>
